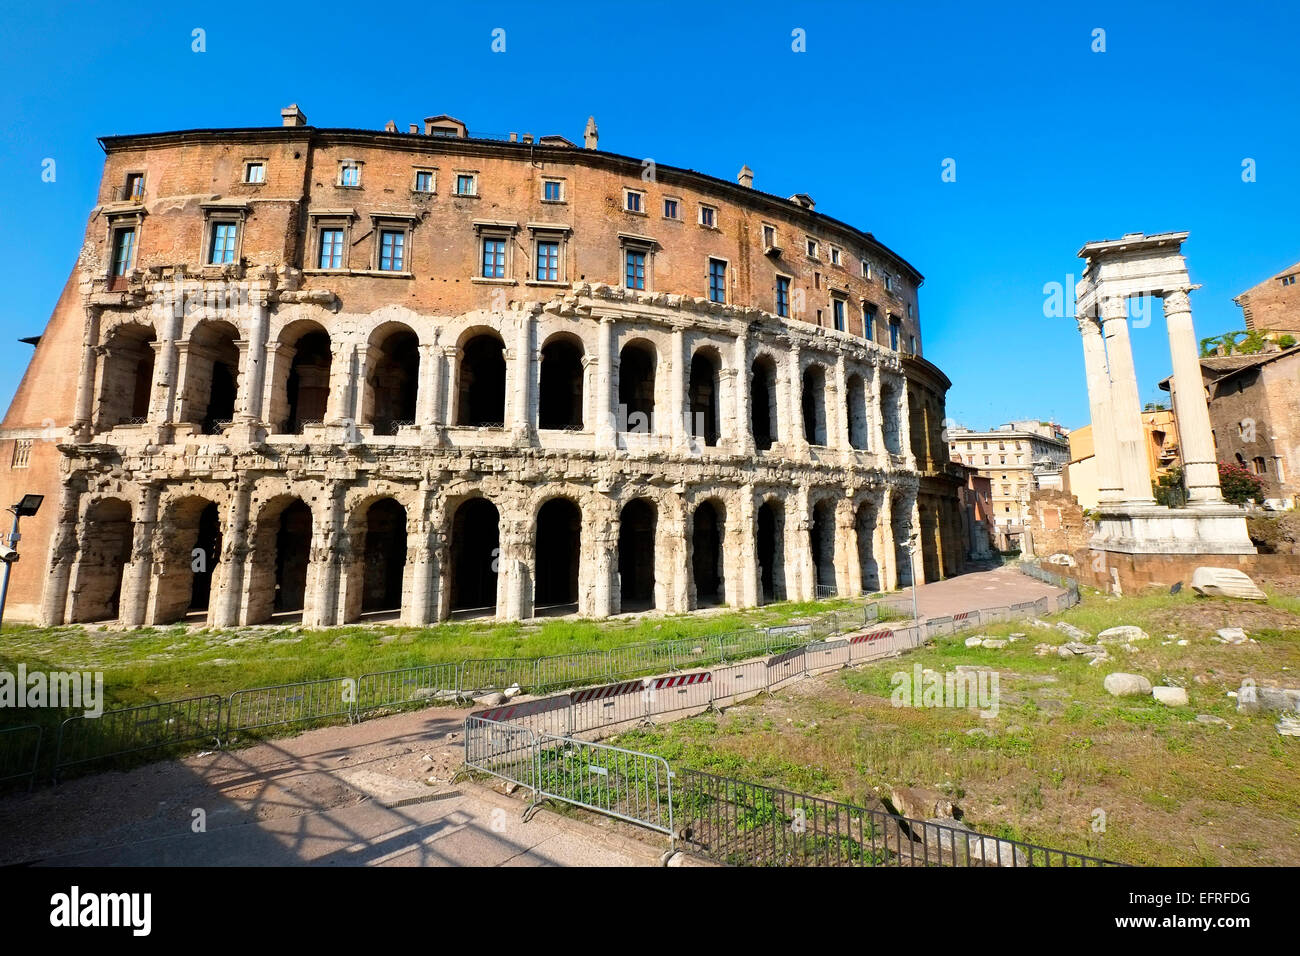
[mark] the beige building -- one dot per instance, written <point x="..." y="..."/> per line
<point x="1016" y="458"/>
<point x="1081" y="472"/>
<point x="339" y="375"/>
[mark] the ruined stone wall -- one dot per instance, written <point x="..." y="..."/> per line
<point x="1056" y="522"/>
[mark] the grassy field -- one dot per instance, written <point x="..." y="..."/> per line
<point x="1172" y="790"/>
<point x="154" y="664"/>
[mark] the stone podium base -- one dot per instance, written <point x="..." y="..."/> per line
<point x="1155" y="530"/>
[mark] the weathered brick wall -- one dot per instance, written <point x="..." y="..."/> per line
<point x="1056" y="522"/>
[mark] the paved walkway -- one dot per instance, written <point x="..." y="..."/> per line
<point x="377" y="793"/>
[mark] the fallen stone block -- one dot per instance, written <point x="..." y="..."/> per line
<point x="1226" y="582"/>
<point x="1120" y="684"/>
<point x="1230" y="635"/>
<point x="994" y="643"/>
<point x="953" y="841"/>
<point x="975" y="641"/>
<point x="1170" y="696"/>
<point x="919" y="803"/>
<point x="1122" y="634"/>
<point x="1289" y="726"/>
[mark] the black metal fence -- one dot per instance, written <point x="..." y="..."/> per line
<point x="745" y="824"/>
<point x="20" y="753"/>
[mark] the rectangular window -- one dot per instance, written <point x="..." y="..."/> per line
<point x="835" y="255"/>
<point x="331" y="249"/>
<point x="911" y="344"/>
<point x="22" y="453"/>
<point x="553" y="190"/>
<point x="717" y="280"/>
<point x="837" y="314"/>
<point x="633" y="201"/>
<point x="423" y="181"/>
<point x="255" y="173"/>
<point x="893" y="336"/>
<point x="889" y="283"/>
<point x="350" y="175"/>
<point x="670" y="208"/>
<point x="769" y="237"/>
<point x="782" y="296"/>
<point x="134" y="186"/>
<point x="548" y="261"/>
<point x="123" y="251"/>
<point x="494" y="258"/>
<point x="866" y="268"/>
<point x="392" y="249"/>
<point x="708" y="217"/>
<point x="222" y="250"/>
<point x="812" y="248"/>
<point x="465" y="185"/>
<point x="634" y="277"/>
<point x="869" y="324"/>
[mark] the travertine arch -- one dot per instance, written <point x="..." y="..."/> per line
<point x="175" y="539"/>
<point x="261" y="575"/>
<point x="105" y="535"/>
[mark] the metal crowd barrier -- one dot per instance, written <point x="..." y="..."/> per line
<point x="410" y="685"/>
<point x="296" y="703"/>
<point x="114" y="733"/>
<point x="744" y="824"/>
<point x="20" y="753"/>
<point x="618" y="783"/>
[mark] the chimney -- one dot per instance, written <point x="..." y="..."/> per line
<point x="292" y="116"/>
<point x="590" y="136"/>
<point x="413" y="129"/>
<point x="390" y="126"/>
<point x="745" y="177"/>
<point x="526" y="138"/>
<point x="514" y="137"/>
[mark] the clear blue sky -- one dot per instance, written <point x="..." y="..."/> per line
<point x="1055" y="145"/>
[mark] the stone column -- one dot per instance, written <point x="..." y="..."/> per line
<point x="515" y="572"/>
<point x="341" y="402"/>
<point x="162" y="402"/>
<point x="794" y="376"/>
<point x="447" y="400"/>
<point x="521" y="422"/>
<point x="598" y="566"/>
<point x="134" y="603"/>
<point x="1126" y="407"/>
<point x="63" y="552"/>
<point x="750" y="586"/>
<point x="1105" y="449"/>
<point x="905" y="424"/>
<point x="874" y="409"/>
<point x="837" y="403"/>
<point x="421" y="609"/>
<point x="429" y="413"/>
<point x="253" y="359"/>
<point x="328" y="554"/>
<point x="228" y="599"/>
<point x="918" y="559"/>
<point x="797" y="528"/>
<point x="367" y="357"/>
<point x="848" y="573"/>
<point x="82" y="422"/>
<point x="672" y="576"/>
<point x="678" y="376"/>
<point x="605" y="429"/>
<point x="744" y="399"/>
<point x="1195" y="440"/>
<point x="279" y="360"/>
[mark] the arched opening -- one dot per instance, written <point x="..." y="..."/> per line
<point x="708" y="527"/>
<point x="636" y="387"/>
<point x="206" y="555"/>
<point x="383" y="559"/>
<point x="393" y="383"/>
<point x="636" y="555"/>
<point x="308" y="387"/>
<point x="104" y="545"/>
<point x="557" y="550"/>
<point x="821" y="542"/>
<point x="857" y="413"/>
<point x="190" y="553"/>
<point x="916" y="428"/>
<point x="481" y="389"/>
<point x="864" y="523"/>
<point x="475" y="553"/>
<point x="771" y="550"/>
<point x="762" y="402"/>
<point x="814" y="405"/>
<point x="127" y="381"/>
<point x="211" y="376"/>
<point x="889" y="418"/>
<point x="559" y="389"/>
<point x="929" y="544"/>
<point x="703" y="397"/>
<point x="280" y="554"/>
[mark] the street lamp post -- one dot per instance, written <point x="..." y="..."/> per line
<point x="912" y="541"/>
<point x="9" y="547"/>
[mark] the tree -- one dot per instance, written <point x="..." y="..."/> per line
<point x="1238" y="484"/>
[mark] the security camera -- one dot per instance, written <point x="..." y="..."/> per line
<point x="7" y="554"/>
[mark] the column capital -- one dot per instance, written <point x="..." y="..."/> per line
<point x="1113" y="307"/>
<point x="1176" y="300"/>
